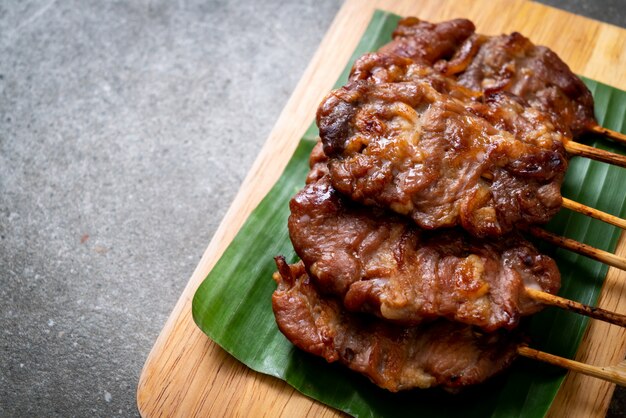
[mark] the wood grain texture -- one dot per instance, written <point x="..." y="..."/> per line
<point x="186" y="374"/>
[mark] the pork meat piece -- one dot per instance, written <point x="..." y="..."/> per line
<point x="441" y="353"/>
<point x="508" y="62"/>
<point x="377" y="262"/>
<point x="512" y="63"/>
<point x="407" y="147"/>
<point x="426" y="42"/>
<point x="502" y="109"/>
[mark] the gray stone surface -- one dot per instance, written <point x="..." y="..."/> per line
<point x="125" y="130"/>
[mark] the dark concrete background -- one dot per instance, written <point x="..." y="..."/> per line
<point x="126" y="128"/>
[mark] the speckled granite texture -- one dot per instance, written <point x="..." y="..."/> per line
<point x="126" y="128"/>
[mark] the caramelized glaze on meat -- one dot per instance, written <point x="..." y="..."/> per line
<point x="510" y="63"/>
<point x="504" y="110"/>
<point x="488" y="64"/>
<point x="424" y="154"/>
<point x="440" y="353"/>
<point x="514" y="64"/>
<point x="379" y="263"/>
<point x="378" y="67"/>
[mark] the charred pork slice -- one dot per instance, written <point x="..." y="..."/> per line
<point x="440" y="353"/>
<point x="407" y="147"/>
<point x="510" y="63"/>
<point x="379" y="263"/>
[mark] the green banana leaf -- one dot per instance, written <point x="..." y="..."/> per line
<point x="233" y="304"/>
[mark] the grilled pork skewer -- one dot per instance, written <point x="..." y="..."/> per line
<point x="421" y="153"/>
<point x="510" y="63"/>
<point x="506" y="63"/>
<point x="380" y="264"/>
<point x="441" y="353"/>
<point x="403" y="137"/>
<point x="528" y="124"/>
<point x="503" y="109"/>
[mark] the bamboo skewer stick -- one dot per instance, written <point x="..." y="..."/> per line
<point x="570" y="305"/>
<point x="594" y="213"/>
<point x="580" y="248"/>
<point x="583" y="150"/>
<point x="616" y="136"/>
<point x="613" y="374"/>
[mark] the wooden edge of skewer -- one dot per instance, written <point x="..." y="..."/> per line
<point x="613" y="374"/>
<point x="614" y="135"/>
<point x="594" y="213"/>
<point x="570" y="305"/>
<point x="580" y="248"/>
<point x="576" y="148"/>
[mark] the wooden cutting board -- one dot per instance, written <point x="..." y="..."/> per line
<point x="186" y="374"/>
